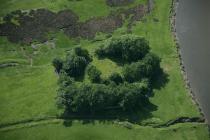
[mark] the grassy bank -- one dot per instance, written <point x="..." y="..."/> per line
<point x="106" y="130"/>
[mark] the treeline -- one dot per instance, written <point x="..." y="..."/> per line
<point x="126" y="91"/>
<point x="94" y="99"/>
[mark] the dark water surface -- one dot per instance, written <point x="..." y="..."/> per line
<point x="193" y="31"/>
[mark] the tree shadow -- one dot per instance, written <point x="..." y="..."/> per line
<point x="138" y="116"/>
<point x="159" y="80"/>
<point x="135" y="117"/>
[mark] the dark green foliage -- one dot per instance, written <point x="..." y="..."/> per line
<point x="133" y="97"/>
<point x="90" y="99"/>
<point x="154" y="62"/>
<point x="86" y="99"/>
<point x="146" y="68"/>
<point x="75" y="65"/>
<point x="83" y="53"/>
<point x="58" y="64"/>
<point x="94" y="74"/>
<point x="135" y="72"/>
<point x="127" y="48"/>
<point x="64" y="80"/>
<point x="116" y="77"/>
<point x="100" y="52"/>
<point x="129" y="93"/>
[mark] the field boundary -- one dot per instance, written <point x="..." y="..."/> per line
<point x="53" y="119"/>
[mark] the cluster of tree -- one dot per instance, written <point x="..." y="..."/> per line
<point x="148" y="68"/>
<point x="127" y="48"/>
<point x="74" y="64"/>
<point x="92" y="99"/>
<point x="125" y="92"/>
<point x="134" y="50"/>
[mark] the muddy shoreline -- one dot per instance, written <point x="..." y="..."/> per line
<point x="173" y="11"/>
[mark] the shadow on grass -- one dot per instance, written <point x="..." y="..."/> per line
<point x="133" y="117"/>
<point x="159" y="81"/>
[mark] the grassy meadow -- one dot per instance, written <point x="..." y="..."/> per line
<point x="103" y="131"/>
<point x="28" y="91"/>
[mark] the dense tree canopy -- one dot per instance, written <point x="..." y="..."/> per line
<point x="94" y="74"/>
<point x="147" y="68"/>
<point x="91" y="99"/>
<point x="74" y="64"/>
<point x="83" y="53"/>
<point x="127" y="48"/>
<point x="126" y="91"/>
<point x="116" y="77"/>
<point x="58" y="64"/>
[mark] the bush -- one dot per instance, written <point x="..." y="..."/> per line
<point x="133" y="97"/>
<point x="86" y="99"/>
<point x="116" y="77"/>
<point x="94" y="74"/>
<point x="75" y="65"/>
<point x="100" y="52"/>
<point x="64" y="79"/>
<point x="83" y="53"/>
<point x="127" y="48"/>
<point x="147" y="68"/>
<point x="154" y="62"/>
<point x="58" y="64"/>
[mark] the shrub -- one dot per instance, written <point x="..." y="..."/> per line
<point x="153" y="61"/>
<point x="133" y="96"/>
<point x="90" y="99"/>
<point x="146" y="68"/>
<point x="75" y="65"/>
<point x="100" y="52"/>
<point x="64" y="79"/>
<point x="116" y="77"/>
<point x="127" y="48"/>
<point x="58" y="64"/>
<point x="83" y="53"/>
<point x="94" y="74"/>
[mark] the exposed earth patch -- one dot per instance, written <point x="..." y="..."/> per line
<point x="26" y="27"/>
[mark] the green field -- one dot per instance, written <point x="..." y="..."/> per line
<point x="103" y="131"/>
<point x="28" y="90"/>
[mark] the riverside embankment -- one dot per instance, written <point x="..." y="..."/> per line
<point x="193" y="33"/>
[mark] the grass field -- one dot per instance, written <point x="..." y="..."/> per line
<point x="106" y="131"/>
<point x="29" y="92"/>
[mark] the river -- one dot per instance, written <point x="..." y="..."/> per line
<point x="193" y="32"/>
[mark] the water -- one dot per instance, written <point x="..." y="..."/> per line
<point x="193" y="31"/>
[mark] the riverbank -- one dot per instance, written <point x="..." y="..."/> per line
<point x="173" y="11"/>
